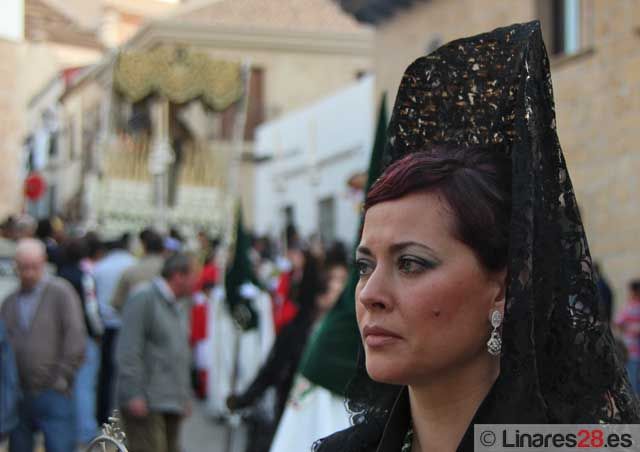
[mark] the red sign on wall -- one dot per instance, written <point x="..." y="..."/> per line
<point x="34" y="186"/>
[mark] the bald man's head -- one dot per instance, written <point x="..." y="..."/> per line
<point x="31" y="258"/>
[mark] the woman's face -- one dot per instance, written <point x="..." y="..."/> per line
<point x="296" y="257"/>
<point x="424" y="300"/>
<point x="336" y="280"/>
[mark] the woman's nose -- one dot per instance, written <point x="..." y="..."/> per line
<point x="375" y="291"/>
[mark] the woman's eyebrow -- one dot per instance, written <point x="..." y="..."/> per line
<point x="364" y="250"/>
<point x="402" y="245"/>
<point x="396" y="247"/>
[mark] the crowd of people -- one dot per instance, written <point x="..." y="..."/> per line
<point x="95" y="325"/>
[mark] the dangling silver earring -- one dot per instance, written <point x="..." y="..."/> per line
<point x="494" y="344"/>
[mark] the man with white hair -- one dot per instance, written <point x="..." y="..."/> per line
<point x="46" y="329"/>
<point x="12" y="229"/>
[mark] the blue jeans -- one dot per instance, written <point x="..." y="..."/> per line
<point x="633" y="368"/>
<point x="48" y="411"/>
<point x="84" y="394"/>
<point x="107" y="375"/>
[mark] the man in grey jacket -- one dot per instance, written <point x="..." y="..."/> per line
<point x="46" y="329"/>
<point x="153" y="358"/>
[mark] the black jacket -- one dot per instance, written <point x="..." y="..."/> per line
<point x="373" y="436"/>
<point x="74" y="275"/>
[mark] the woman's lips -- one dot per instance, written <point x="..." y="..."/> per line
<point x="375" y="336"/>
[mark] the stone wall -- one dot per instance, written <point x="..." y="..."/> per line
<point x="598" y="107"/>
<point x="11" y="126"/>
<point x="27" y="68"/>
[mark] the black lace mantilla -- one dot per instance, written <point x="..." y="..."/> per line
<point x="559" y="363"/>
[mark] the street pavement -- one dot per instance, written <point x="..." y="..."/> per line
<point x="200" y="433"/>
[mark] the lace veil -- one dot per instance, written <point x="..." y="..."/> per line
<point x="559" y="362"/>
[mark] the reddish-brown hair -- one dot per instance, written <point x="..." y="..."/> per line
<point x="476" y="184"/>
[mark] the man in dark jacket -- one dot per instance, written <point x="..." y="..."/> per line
<point x="70" y="268"/>
<point x="153" y="358"/>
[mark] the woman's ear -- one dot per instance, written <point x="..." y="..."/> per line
<point x="500" y="279"/>
<point x="499" y="306"/>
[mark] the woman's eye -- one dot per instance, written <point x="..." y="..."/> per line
<point x="412" y="265"/>
<point x="364" y="267"/>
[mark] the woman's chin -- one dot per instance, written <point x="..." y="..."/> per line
<point x="386" y="372"/>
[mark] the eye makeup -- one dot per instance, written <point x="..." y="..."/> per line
<point x="413" y="265"/>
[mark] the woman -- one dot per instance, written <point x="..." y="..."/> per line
<point x="432" y="265"/>
<point x="312" y="410"/>
<point x="279" y="368"/>
<point x="286" y="297"/>
<point x="476" y="301"/>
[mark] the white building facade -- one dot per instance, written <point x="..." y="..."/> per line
<point x="11" y="20"/>
<point x="307" y="157"/>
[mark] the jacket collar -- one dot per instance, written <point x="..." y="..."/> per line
<point x="13" y="299"/>
<point x="399" y="421"/>
<point x="37" y="289"/>
<point x="163" y="288"/>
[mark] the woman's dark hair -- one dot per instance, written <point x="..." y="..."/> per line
<point x="174" y="233"/>
<point x="44" y="229"/>
<point x="310" y="284"/>
<point x="74" y="250"/>
<point x="152" y="241"/>
<point x="95" y="246"/>
<point x="336" y="255"/>
<point x="144" y="234"/>
<point x="475" y="182"/>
